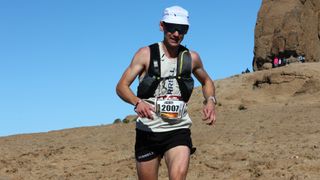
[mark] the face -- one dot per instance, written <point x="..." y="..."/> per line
<point x="173" y="33"/>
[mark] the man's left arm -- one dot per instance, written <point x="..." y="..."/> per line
<point x="208" y="89"/>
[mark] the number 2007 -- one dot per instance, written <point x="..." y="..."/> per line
<point x="169" y="107"/>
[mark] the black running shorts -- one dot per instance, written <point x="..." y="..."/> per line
<point x="150" y="145"/>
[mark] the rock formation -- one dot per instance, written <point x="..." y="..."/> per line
<point x="288" y="28"/>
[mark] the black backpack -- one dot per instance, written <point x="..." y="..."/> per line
<point x="153" y="77"/>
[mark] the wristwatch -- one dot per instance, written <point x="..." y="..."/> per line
<point x="210" y="98"/>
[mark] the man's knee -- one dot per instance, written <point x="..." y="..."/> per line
<point x="178" y="173"/>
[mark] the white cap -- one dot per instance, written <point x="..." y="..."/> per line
<point x="176" y="15"/>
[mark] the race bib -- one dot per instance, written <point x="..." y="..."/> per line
<point x="170" y="108"/>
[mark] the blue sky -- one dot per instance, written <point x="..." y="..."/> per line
<point x="60" y="60"/>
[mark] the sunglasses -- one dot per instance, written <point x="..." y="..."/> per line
<point x="172" y="28"/>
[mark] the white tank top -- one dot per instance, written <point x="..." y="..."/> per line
<point x="168" y="87"/>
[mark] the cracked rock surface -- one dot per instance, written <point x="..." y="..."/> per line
<point x="287" y="28"/>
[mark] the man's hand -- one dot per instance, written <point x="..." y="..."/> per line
<point x="144" y="110"/>
<point x="209" y="113"/>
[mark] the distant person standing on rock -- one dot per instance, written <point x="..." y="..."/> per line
<point x="275" y="61"/>
<point x="163" y="126"/>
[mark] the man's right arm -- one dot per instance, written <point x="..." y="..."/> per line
<point x="138" y="64"/>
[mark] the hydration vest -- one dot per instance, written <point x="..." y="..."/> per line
<point x="151" y="80"/>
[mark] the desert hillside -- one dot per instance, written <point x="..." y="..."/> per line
<point x="268" y="128"/>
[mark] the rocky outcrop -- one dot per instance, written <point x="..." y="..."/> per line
<point x="288" y="28"/>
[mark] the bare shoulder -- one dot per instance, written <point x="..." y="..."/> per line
<point x="137" y="66"/>
<point x="198" y="68"/>
<point x="142" y="56"/>
<point x="195" y="55"/>
<point x="196" y="60"/>
<point x="140" y="62"/>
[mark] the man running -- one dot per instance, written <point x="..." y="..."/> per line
<point x="163" y="126"/>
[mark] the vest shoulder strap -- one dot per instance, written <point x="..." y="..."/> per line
<point x="184" y="63"/>
<point x="154" y="65"/>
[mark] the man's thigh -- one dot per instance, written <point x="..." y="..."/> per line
<point x="148" y="169"/>
<point x="177" y="160"/>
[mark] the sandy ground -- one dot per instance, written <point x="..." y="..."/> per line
<point x="268" y="128"/>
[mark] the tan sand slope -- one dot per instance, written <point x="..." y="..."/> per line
<point x="268" y="128"/>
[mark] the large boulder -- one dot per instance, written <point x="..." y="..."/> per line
<point x="288" y="28"/>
